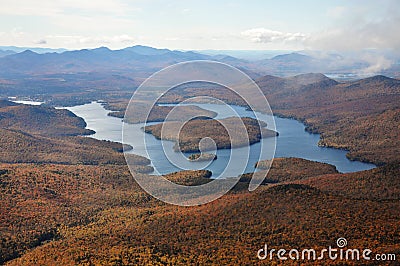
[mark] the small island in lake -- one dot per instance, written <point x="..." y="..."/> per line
<point x="200" y="157"/>
<point x="187" y="135"/>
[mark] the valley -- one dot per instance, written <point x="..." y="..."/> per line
<point x="69" y="199"/>
<point x="179" y="133"/>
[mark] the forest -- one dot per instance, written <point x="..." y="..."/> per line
<point x="68" y="214"/>
<point x="227" y="133"/>
<point x="360" y="116"/>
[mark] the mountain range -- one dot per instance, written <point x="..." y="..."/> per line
<point x="145" y="59"/>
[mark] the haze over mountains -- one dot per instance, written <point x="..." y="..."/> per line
<point x="16" y="60"/>
<point x="101" y="73"/>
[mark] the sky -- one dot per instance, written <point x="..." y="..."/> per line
<point x="200" y="25"/>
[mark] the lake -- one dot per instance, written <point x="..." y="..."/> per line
<point x="293" y="141"/>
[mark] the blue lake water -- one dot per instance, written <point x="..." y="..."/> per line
<point x="293" y="141"/>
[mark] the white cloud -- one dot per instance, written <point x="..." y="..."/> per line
<point x="73" y="41"/>
<point x="372" y="35"/>
<point x="66" y="41"/>
<point x="55" y="7"/>
<point x="41" y="42"/>
<point x="377" y="62"/>
<point x="105" y="21"/>
<point x="363" y="28"/>
<point x="360" y="30"/>
<point x="262" y="35"/>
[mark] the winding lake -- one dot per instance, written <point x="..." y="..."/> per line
<point x="293" y="141"/>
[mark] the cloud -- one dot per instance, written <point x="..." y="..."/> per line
<point x="367" y="27"/>
<point x="377" y="63"/>
<point x="262" y="35"/>
<point x="56" y="7"/>
<point x="366" y="36"/>
<point x="374" y="35"/>
<point x="361" y="30"/>
<point x="66" y="41"/>
<point x="41" y="42"/>
<point x="362" y="61"/>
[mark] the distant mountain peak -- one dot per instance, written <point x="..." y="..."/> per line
<point x="102" y="48"/>
<point x="292" y="56"/>
<point x="269" y="77"/>
<point x="146" y="50"/>
<point x="312" y="78"/>
<point x="28" y="52"/>
<point x="379" y="78"/>
<point x="297" y="82"/>
<point x="142" y="46"/>
<point x="227" y="58"/>
<point x="315" y="77"/>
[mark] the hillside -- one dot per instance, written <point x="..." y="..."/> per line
<point x="20" y="147"/>
<point x="39" y="201"/>
<point x="39" y="134"/>
<point x="289" y="169"/>
<point x="360" y="116"/>
<point x="41" y="120"/>
<point x="226" y="133"/>
<point x="117" y="223"/>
